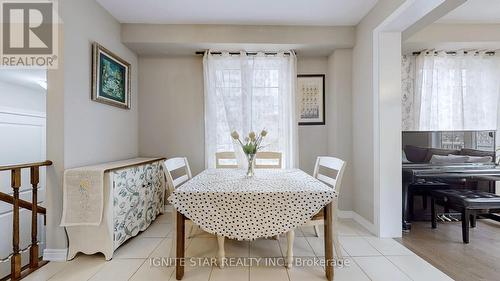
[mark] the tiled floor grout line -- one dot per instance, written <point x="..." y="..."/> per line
<point x="172" y="274"/>
<point x="309" y="241"/>
<point x="380" y="252"/>
<point x="157" y="246"/>
<point x="399" y="268"/>
<point x="309" y="244"/>
<point x="286" y="268"/>
<point x="210" y="274"/>
<point x="250" y="245"/>
<point x="362" y="236"/>
<point x="129" y="258"/>
<point x="149" y="256"/>
<point x="366" y="256"/>
<point x="131" y="276"/>
<point x="60" y="270"/>
<point x="249" y="273"/>
<point x="361" y="268"/>
<point x="96" y="272"/>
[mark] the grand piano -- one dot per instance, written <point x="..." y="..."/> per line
<point x="452" y="158"/>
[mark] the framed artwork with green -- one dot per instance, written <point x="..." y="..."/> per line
<point x="110" y="78"/>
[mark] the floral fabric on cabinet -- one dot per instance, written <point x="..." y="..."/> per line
<point x="138" y="199"/>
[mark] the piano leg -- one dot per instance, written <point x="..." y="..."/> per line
<point x="406" y="222"/>
<point x="491" y="187"/>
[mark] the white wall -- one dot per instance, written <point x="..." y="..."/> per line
<point x="454" y="37"/>
<point x="457" y="33"/>
<point x="21" y="97"/>
<point x="171" y="108"/>
<point x="363" y="110"/>
<point x="94" y="132"/>
<point x="377" y="108"/>
<point x="186" y="39"/>
<point x="171" y="111"/>
<point x="388" y="176"/>
<point x="313" y="139"/>
<point x="22" y="131"/>
<point x="81" y="131"/>
<point x="339" y="118"/>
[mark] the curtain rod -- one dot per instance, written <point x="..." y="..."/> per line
<point x="452" y="52"/>
<point x="238" y="53"/>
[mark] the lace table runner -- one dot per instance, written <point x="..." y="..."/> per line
<point x="83" y="192"/>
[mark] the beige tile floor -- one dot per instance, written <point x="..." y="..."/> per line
<point x="370" y="258"/>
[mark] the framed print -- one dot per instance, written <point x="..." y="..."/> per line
<point x="110" y="78"/>
<point x="311" y="99"/>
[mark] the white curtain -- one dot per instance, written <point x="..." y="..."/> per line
<point x="250" y="93"/>
<point x="451" y="91"/>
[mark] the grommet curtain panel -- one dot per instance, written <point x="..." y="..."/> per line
<point x="457" y="91"/>
<point x="250" y="93"/>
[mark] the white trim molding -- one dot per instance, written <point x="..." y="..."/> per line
<point x="55" y="254"/>
<point x="386" y="75"/>
<point x="359" y="219"/>
<point x="22" y="112"/>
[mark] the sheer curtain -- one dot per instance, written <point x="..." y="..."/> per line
<point x="451" y="92"/>
<point x="250" y="93"/>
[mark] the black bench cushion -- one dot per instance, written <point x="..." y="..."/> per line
<point x="427" y="186"/>
<point x="473" y="199"/>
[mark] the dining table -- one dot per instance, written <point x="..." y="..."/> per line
<point x="230" y="204"/>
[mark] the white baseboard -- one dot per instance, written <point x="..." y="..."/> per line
<point x="55" y="254"/>
<point x="359" y="219"/>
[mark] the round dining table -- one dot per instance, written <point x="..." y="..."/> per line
<point x="228" y="203"/>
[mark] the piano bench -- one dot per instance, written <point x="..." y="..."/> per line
<point x="470" y="203"/>
<point x="422" y="189"/>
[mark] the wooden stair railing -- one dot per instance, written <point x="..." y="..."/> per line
<point x="15" y="256"/>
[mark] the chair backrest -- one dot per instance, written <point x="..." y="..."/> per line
<point x="226" y="159"/>
<point x="323" y="171"/>
<point x="271" y="160"/>
<point x="175" y="164"/>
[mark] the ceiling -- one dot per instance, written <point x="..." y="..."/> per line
<point x="474" y="12"/>
<point x="256" y="12"/>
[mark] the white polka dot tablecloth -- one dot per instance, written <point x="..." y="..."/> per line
<point x="227" y="202"/>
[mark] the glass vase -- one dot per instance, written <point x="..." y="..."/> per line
<point x="251" y="165"/>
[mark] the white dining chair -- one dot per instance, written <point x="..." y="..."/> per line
<point x="225" y="160"/>
<point x="268" y="160"/>
<point x="329" y="170"/>
<point x="172" y="166"/>
<point x="271" y="160"/>
<point x="178" y="167"/>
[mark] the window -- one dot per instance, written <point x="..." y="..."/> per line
<point x="450" y="91"/>
<point x="482" y="140"/>
<point x="250" y="93"/>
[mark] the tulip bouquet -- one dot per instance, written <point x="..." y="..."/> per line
<point x="250" y="147"/>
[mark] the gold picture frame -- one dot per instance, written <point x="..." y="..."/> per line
<point x="110" y="78"/>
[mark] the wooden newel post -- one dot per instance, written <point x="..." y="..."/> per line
<point x="35" y="178"/>
<point x="16" y="256"/>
